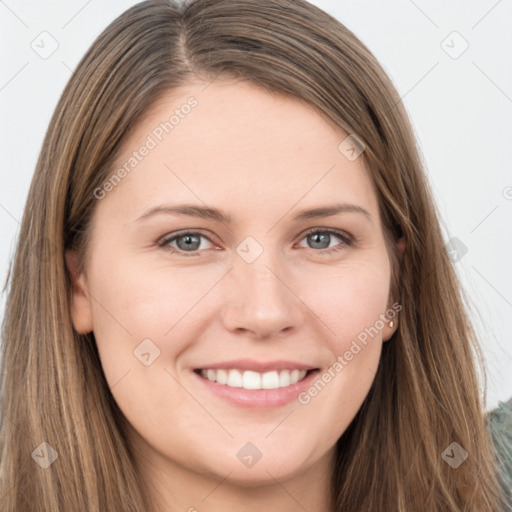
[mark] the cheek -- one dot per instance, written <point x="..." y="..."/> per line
<point x="349" y="300"/>
<point x="136" y="303"/>
<point x="350" y="303"/>
<point x="141" y="326"/>
<point x="145" y="300"/>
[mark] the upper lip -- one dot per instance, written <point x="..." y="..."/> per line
<point x="257" y="366"/>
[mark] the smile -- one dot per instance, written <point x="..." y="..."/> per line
<point x="247" y="379"/>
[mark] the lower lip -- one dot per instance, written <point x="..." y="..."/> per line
<point x="259" y="398"/>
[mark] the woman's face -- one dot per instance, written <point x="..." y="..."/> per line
<point x="224" y="252"/>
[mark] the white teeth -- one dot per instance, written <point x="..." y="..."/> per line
<point x="284" y="379"/>
<point x="254" y="380"/>
<point x="270" y="380"/>
<point x="234" y="379"/>
<point x="251" y="380"/>
<point x="222" y="376"/>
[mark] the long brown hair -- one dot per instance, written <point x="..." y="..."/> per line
<point x="426" y="393"/>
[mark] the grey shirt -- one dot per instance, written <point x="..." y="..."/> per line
<point x="500" y="425"/>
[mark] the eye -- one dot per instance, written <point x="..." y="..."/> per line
<point x="189" y="243"/>
<point x="185" y="242"/>
<point x="321" y="238"/>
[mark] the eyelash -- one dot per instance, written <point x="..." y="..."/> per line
<point x="347" y="241"/>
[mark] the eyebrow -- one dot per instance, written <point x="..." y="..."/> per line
<point x="218" y="215"/>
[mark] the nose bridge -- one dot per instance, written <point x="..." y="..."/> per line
<point x="259" y="298"/>
<point x="262" y="279"/>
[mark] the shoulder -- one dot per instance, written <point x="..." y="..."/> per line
<point x="500" y="426"/>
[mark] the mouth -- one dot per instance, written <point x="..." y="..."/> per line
<point x="235" y="378"/>
<point x="249" y="388"/>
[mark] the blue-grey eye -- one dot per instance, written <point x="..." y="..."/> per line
<point x="319" y="240"/>
<point x="188" y="242"/>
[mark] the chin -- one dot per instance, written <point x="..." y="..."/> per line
<point x="280" y="463"/>
<point x="261" y="474"/>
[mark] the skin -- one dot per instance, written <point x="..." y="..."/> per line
<point x="262" y="158"/>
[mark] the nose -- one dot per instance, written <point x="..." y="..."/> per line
<point x="260" y="300"/>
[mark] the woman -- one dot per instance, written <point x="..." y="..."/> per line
<point x="177" y="334"/>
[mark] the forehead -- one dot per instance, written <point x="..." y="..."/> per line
<point x="237" y="143"/>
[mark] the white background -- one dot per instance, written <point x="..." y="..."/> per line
<point x="461" y="109"/>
